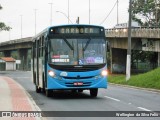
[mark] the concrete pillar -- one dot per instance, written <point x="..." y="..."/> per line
<point x="118" y="60"/>
<point x="23" y="57"/>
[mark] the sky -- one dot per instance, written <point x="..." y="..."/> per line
<point x="20" y="15"/>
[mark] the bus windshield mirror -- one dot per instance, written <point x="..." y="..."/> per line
<point x="69" y="45"/>
<point x="85" y="47"/>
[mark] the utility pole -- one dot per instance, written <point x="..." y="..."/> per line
<point x="117" y="12"/>
<point x="128" y="66"/>
<point x="89" y="12"/>
<point x="156" y="13"/>
<point x="35" y="13"/>
<point x="21" y="25"/>
<point x="68" y="11"/>
<point x="9" y="31"/>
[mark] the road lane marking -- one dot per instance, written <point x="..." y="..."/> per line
<point x="144" y="109"/>
<point x="112" y="98"/>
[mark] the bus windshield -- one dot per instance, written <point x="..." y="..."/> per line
<point x="79" y="51"/>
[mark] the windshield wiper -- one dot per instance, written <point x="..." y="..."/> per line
<point x="69" y="45"/>
<point x="85" y="47"/>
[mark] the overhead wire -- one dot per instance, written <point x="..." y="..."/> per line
<point x="109" y="13"/>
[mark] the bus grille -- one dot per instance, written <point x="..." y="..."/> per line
<point x="79" y="78"/>
<point x="72" y="68"/>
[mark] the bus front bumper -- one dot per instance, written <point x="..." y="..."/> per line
<point x="57" y="84"/>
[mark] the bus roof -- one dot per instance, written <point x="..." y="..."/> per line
<point x="65" y="25"/>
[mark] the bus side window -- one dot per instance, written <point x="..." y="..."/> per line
<point x="43" y="45"/>
<point x="38" y="48"/>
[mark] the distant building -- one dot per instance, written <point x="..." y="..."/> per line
<point x="125" y="25"/>
<point x="7" y="63"/>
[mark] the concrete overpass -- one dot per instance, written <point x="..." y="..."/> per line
<point x="143" y="39"/>
<point x="16" y="44"/>
<point x="20" y="49"/>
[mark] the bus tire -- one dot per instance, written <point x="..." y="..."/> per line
<point x="38" y="90"/>
<point x="48" y="93"/>
<point x="94" y="92"/>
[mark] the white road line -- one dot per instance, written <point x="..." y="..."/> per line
<point x="112" y="98"/>
<point x="144" y="109"/>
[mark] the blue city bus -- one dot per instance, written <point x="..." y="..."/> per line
<point x="70" y="57"/>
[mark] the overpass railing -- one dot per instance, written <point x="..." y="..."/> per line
<point x="135" y="32"/>
<point x="22" y="40"/>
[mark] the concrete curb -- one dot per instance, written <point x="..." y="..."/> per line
<point x="138" y="88"/>
<point x="20" y="99"/>
<point x="32" y="103"/>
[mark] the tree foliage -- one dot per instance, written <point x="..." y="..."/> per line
<point x="2" y="25"/>
<point x="146" y="12"/>
<point x="0" y="7"/>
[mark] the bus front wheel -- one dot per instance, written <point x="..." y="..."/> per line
<point x="38" y="90"/>
<point x="94" y="92"/>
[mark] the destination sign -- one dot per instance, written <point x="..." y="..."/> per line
<point x="76" y="30"/>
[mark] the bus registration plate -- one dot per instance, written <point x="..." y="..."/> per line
<point x="78" y="83"/>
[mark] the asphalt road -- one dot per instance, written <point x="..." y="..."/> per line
<point x="115" y="98"/>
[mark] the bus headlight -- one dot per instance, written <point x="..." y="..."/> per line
<point x="104" y="73"/>
<point x="51" y="73"/>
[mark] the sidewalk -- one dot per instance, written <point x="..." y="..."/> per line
<point x="13" y="97"/>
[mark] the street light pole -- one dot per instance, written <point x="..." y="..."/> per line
<point x="128" y="66"/>
<point x="117" y="12"/>
<point x="65" y="15"/>
<point x="35" y="13"/>
<point x="9" y="31"/>
<point x="21" y="25"/>
<point x="51" y="13"/>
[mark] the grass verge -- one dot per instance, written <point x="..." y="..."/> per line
<point x="150" y="79"/>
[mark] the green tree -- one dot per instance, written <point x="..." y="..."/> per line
<point x="146" y="12"/>
<point x="2" y="25"/>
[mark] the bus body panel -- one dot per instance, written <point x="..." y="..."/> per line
<point x="40" y="73"/>
<point x="76" y="80"/>
<point x="44" y="61"/>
